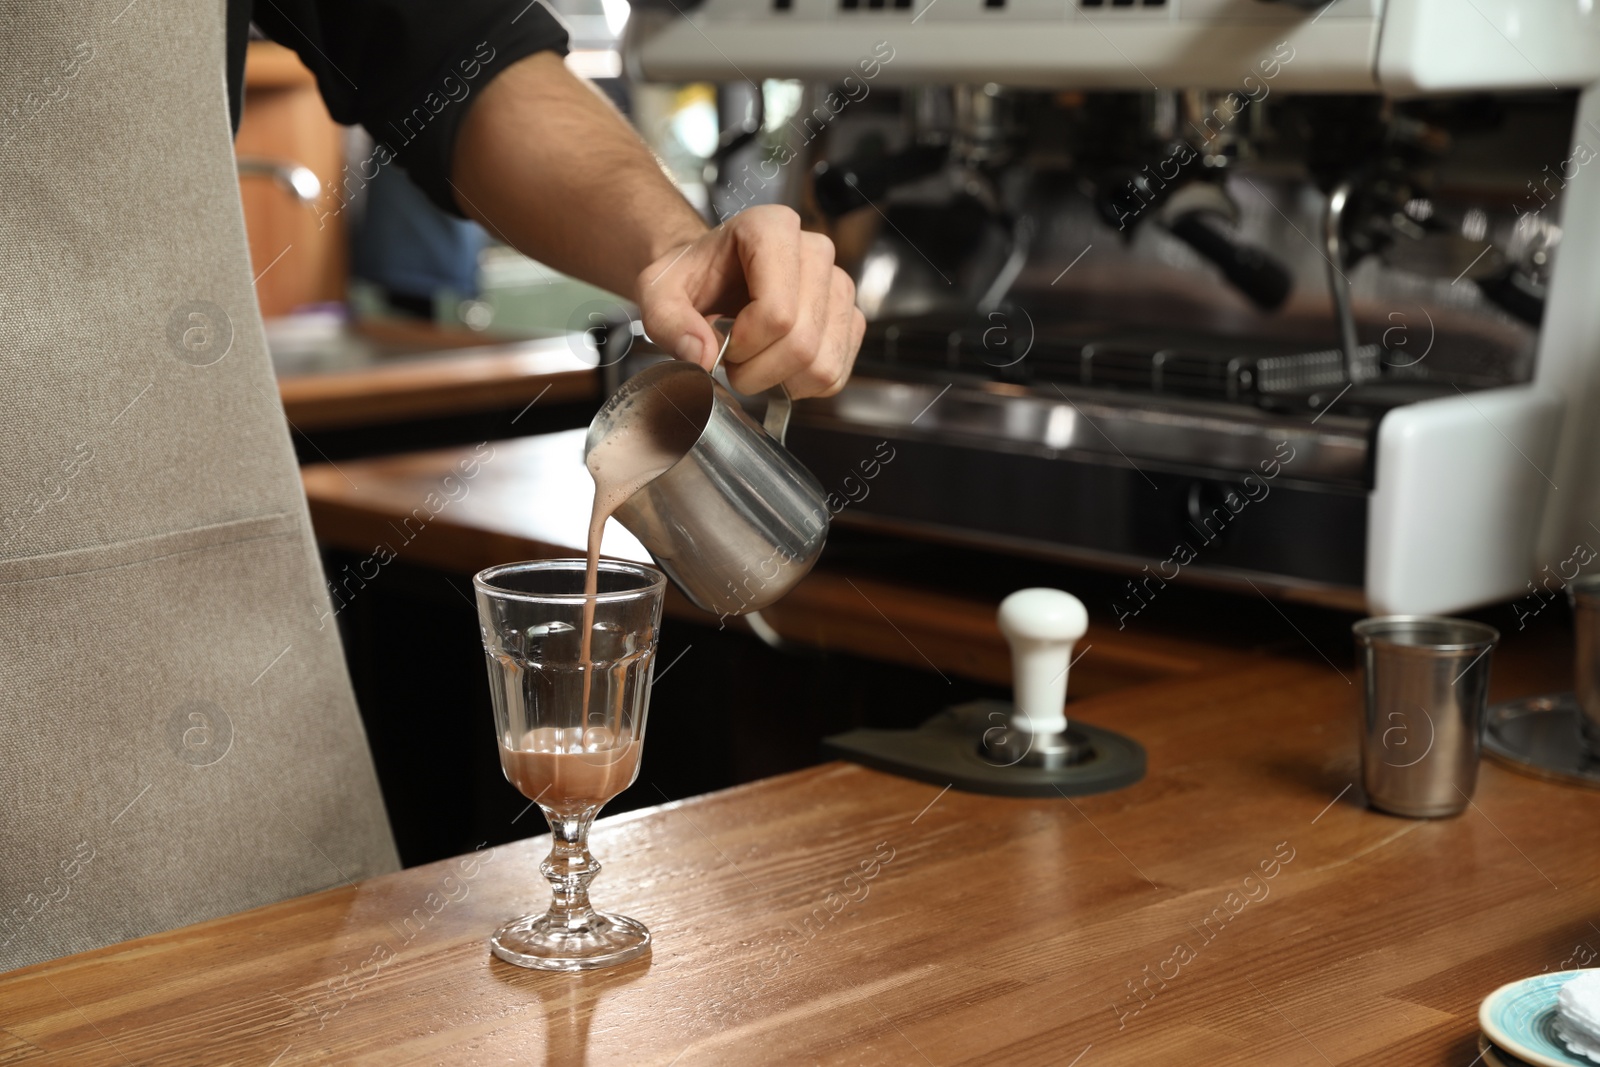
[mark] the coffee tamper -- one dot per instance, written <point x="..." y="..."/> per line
<point x="1023" y="748"/>
<point x="1042" y="626"/>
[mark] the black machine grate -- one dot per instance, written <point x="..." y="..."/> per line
<point x="1099" y="356"/>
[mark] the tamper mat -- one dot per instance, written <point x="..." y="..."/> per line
<point x="944" y="751"/>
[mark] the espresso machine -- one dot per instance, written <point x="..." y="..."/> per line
<point x="1289" y="296"/>
<point x="1298" y="296"/>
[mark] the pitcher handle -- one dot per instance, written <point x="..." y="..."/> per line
<point x="776" y="420"/>
<point x="724" y="326"/>
<point x="779" y="403"/>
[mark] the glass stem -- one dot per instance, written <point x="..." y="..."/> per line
<point x="570" y="868"/>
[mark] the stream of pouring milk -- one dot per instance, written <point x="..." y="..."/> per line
<point x="568" y="769"/>
<point x="627" y="459"/>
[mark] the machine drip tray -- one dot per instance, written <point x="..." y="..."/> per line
<point x="945" y="751"/>
<point x="1541" y="736"/>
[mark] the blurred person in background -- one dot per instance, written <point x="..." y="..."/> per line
<point x="474" y="101"/>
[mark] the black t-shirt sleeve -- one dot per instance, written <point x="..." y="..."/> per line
<point x="408" y="70"/>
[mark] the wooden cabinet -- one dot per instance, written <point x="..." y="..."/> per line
<point x="299" y="251"/>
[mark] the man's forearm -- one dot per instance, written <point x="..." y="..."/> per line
<point x="546" y="164"/>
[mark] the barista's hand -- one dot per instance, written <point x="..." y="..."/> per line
<point x="795" y="315"/>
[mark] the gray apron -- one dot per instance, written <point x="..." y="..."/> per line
<point x="179" y="735"/>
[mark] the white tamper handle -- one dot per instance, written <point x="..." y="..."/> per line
<point x="1041" y="625"/>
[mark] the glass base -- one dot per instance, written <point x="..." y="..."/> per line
<point x="541" y="943"/>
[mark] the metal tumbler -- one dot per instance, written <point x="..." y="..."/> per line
<point x="737" y="520"/>
<point x="1584" y="593"/>
<point x="1424" y="689"/>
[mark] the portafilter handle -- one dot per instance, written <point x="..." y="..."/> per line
<point x="1042" y="626"/>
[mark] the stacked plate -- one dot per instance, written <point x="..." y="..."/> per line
<point x="1519" y="1025"/>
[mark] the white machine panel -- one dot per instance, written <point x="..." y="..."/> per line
<point x="1439" y="45"/>
<point x="1455" y="515"/>
<point x="1401" y="46"/>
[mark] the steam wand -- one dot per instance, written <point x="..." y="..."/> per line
<point x="1338" y="283"/>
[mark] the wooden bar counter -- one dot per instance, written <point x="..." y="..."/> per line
<point x="1237" y="906"/>
<point x="529" y="498"/>
<point x="414" y="379"/>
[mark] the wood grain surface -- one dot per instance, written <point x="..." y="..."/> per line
<point x="531" y="500"/>
<point x="1238" y="906"/>
<point x="299" y="253"/>
<point x="269" y="65"/>
<point x="479" y="379"/>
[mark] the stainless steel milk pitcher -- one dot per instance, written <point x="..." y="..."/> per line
<point x="1424" y="684"/>
<point x="737" y="520"/>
